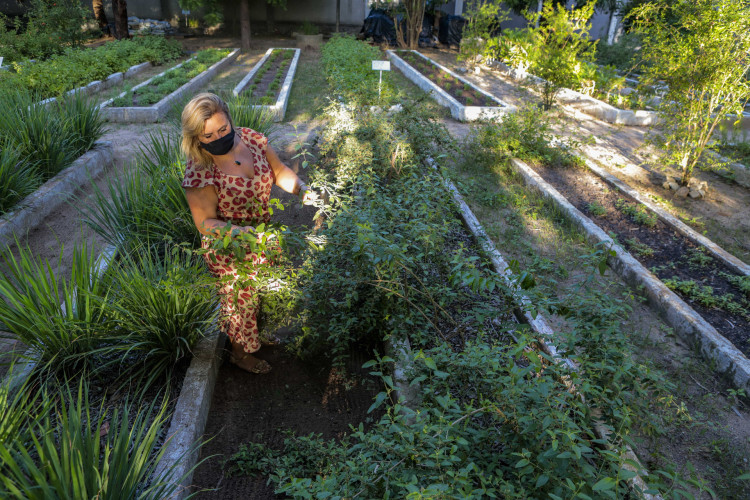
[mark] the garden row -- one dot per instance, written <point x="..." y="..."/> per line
<point x="268" y="84"/>
<point x="493" y="415"/>
<point x="77" y="67"/>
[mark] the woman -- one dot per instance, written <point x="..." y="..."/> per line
<point x="228" y="178"/>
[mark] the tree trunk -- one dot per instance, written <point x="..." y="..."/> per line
<point x="101" y="17"/>
<point x="614" y="22"/>
<point x="120" y="9"/>
<point x="539" y="8"/>
<point x="338" y="14"/>
<point x="269" y="18"/>
<point x="245" y="25"/>
<point x="414" y="17"/>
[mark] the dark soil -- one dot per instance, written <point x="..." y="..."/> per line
<point x="671" y="250"/>
<point x="462" y="92"/>
<point x="295" y="396"/>
<point x="261" y="84"/>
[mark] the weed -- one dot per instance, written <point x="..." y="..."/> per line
<point x="638" y="213"/>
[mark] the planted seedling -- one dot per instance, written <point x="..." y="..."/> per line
<point x="697" y="257"/>
<point x="640" y="249"/>
<point x="638" y="213"/>
<point x="596" y="209"/>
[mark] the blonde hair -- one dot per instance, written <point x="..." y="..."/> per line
<point x="194" y="116"/>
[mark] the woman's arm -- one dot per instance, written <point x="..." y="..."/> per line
<point x="286" y="179"/>
<point x="203" y="204"/>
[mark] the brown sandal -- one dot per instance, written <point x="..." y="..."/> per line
<point x="271" y="340"/>
<point x="260" y="367"/>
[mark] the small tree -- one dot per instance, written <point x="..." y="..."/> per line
<point x="560" y="48"/>
<point x="478" y="39"/>
<point x="704" y="59"/>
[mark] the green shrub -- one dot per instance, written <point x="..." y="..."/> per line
<point x="623" y="54"/>
<point x="50" y="27"/>
<point x="76" y="67"/>
<point x="348" y="66"/>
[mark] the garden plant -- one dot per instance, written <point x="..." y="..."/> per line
<point x="703" y="58"/>
<point x="161" y="86"/>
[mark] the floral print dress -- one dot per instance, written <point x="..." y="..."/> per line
<point x="243" y="202"/>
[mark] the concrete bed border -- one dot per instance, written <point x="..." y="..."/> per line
<point x="108" y="82"/>
<point x="685" y="321"/>
<point x="587" y="104"/>
<point x="154" y="113"/>
<point x="30" y="211"/>
<point x="458" y="110"/>
<point x="400" y="351"/>
<point x="279" y="108"/>
<point x="602" y="110"/>
<point x="190" y="415"/>
<point x="669" y="219"/>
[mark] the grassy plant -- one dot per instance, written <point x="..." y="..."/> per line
<point x="74" y="454"/>
<point x="48" y="138"/>
<point x="742" y="283"/>
<point x="18" y="179"/>
<point x="162" y="305"/>
<point x="61" y="320"/>
<point x="147" y="204"/>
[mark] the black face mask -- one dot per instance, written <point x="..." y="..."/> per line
<point x="220" y="146"/>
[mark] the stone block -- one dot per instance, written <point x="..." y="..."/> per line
<point x="683" y="191"/>
<point x="694" y="193"/>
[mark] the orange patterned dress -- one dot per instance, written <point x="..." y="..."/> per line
<point x="243" y="202"/>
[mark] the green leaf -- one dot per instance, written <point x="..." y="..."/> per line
<point x="542" y="480"/>
<point x="604" y="484"/>
<point x="430" y="363"/>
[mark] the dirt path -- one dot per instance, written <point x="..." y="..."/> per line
<point x="724" y="215"/>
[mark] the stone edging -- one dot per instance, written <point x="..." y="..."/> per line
<point x="458" y="110"/>
<point x="154" y="113"/>
<point x="685" y="321"/>
<point x="190" y="415"/>
<point x="30" y="211"/>
<point x="279" y="108"/>
<point x="108" y="82"/>
<point x="672" y="221"/>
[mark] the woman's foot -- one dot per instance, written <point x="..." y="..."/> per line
<point x="250" y="363"/>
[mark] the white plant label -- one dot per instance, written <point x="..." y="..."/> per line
<point x="381" y="65"/>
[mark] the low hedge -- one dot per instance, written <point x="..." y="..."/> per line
<point x="77" y="67"/>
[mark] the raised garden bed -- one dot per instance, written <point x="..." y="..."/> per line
<point x="110" y="81"/>
<point x="151" y="100"/>
<point x="715" y="312"/>
<point x="30" y="211"/>
<point x="270" y="81"/>
<point x="466" y="101"/>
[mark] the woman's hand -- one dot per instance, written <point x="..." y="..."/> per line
<point x="306" y="195"/>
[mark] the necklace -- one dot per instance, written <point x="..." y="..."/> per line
<point x="236" y="161"/>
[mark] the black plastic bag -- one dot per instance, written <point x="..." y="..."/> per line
<point x="451" y="29"/>
<point x="380" y="27"/>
